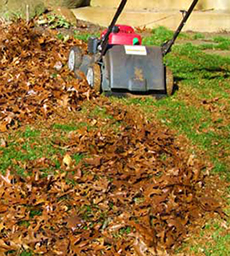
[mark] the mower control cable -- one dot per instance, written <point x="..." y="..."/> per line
<point x="166" y="47"/>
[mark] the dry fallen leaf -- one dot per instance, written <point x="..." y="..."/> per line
<point x="67" y="161"/>
<point x="3" y="127"/>
<point x="3" y="143"/>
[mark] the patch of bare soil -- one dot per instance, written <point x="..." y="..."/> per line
<point x="223" y="53"/>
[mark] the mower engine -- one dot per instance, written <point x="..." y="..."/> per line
<point x="120" y="35"/>
<point x="124" y="35"/>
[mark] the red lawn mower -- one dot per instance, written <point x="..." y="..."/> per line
<point x="118" y="63"/>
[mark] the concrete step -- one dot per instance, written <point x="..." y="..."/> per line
<point x="210" y="21"/>
<point x="143" y="5"/>
<point x="163" y="4"/>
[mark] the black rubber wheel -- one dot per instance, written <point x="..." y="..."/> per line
<point x="93" y="77"/>
<point x="169" y="81"/>
<point x="75" y="58"/>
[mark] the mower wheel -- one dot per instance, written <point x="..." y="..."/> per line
<point x="169" y="81"/>
<point x="75" y="58"/>
<point x="93" y="77"/>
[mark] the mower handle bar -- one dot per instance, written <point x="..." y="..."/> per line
<point x="166" y="47"/>
<point x="105" y="39"/>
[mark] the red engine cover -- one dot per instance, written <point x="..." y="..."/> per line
<point x="125" y="35"/>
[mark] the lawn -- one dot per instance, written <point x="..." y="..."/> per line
<point x="81" y="173"/>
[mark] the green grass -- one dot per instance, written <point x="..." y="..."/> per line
<point x="24" y="253"/>
<point x="85" y="36"/>
<point x="215" y="43"/>
<point x="198" y="36"/>
<point x="185" y="118"/>
<point x="122" y="232"/>
<point x="188" y="61"/>
<point x="219" y="46"/>
<point x="78" y="158"/>
<point x="17" y="154"/>
<point x="99" y="112"/>
<point x="65" y="127"/>
<point x="31" y="145"/>
<point x="219" y="241"/>
<point x="160" y="35"/>
<point x="197" y="125"/>
<point x="69" y="127"/>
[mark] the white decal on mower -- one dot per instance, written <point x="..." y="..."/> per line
<point x="135" y="50"/>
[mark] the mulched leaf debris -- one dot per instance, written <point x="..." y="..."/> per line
<point x="136" y="190"/>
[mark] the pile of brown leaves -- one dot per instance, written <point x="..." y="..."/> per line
<point x="136" y="192"/>
<point x="34" y="78"/>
